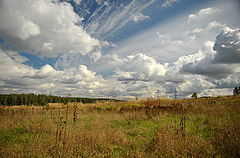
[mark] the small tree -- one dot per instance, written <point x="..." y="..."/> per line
<point x="194" y="95"/>
<point x="236" y="91"/>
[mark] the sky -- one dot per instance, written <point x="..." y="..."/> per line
<point x="120" y="49"/>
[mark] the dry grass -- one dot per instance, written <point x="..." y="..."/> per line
<point x="168" y="143"/>
<point x="208" y="127"/>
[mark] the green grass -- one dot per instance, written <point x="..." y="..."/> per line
<point x="199" y="125"/>
<point x="12" y="136"/>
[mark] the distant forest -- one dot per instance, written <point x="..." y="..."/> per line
<point x="41" y="99"/>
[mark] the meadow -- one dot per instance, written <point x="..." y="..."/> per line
<point x="203" y="127"/>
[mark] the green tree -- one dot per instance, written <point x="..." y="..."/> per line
<point x="194" y="95"/>
<point x="236" y="91"/>
<point x="5" y="100"/>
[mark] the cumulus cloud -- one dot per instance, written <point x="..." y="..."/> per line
<point x="215" y="25"/>
<point x="200" y="71"/>
<point x="231" y="81"/>
<point x="46" y="71"/>
<point x="211" y="28"/>
<point x="211" y="70"/>
<point x="43" y="27"/>
<point x="140" y="67"/>
<point x="203" y="13"/>
<point x="15" y="56"/>
<point x="28" y="29"/>
<point x="11" y="65"/>
<point x="227" y="46"/>
<point x="169" y="3"/>
<point x="132" y="76"/>
<point x="193" y="84"/>
<point x="214" y="58"/>
<point x="20" y="78"/>
<point x="201" y="63"/>
<point x="79" y="81"/>
<point x="205" y="53"/>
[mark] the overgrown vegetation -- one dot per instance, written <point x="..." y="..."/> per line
<point x="203" y="127"/>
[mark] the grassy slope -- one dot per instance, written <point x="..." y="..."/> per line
<point x="208" y="127"/>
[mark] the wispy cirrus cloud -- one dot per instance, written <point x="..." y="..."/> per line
<point x="106" y="20"/>
<point x="169" y="3"/>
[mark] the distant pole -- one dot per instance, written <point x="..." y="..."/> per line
<point x="175" y="94"/>
<point x="158" y="94"/>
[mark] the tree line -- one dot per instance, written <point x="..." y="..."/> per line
<point x="42" y="99"/>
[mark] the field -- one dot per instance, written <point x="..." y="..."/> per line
<point x="204" y="127"/>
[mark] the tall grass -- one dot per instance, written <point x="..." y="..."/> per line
<point x="207" y="127"/>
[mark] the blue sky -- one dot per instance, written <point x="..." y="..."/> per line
<point x="118" y="48"/>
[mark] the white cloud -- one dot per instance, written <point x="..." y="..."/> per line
<point x="77" y="2"/>
<point x="166" y="39"/>
<point x="20" y="78"/>
<point x="28" y="29"/>
<point x="140" y="67"/>
<point x="124" y="77"/>
<point x="193" y="84"/>
<point x="36" y="24"/>
<point x="11" y="65"/>
<point x="206" y="52"/>
<point x="199" y="73"/>
<point x="203" y="13"/>
<point x="139" y="17"/>
<point x="215" y="25"/>
<point x="210" y="29"/>
<point x="46" y="71"/>
<point x="229" y="82"/>
<point x="15" y="56"/>
<point x="216" y="92"/>
<point x="169" y="3"/>
<point x="103" y="64"/>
